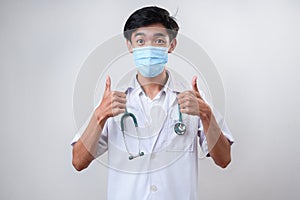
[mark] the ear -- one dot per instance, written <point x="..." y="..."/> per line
<point x="172" y="45"/>
<point x="129" y="46"/>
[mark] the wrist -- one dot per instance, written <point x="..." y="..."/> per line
<point x="206" y="117"/>
<point x="100" y="117"/>
<point x="210" y="124"/>
<point x="205" y="113"/>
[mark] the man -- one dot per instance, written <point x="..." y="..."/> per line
<point x="162" y="154"/>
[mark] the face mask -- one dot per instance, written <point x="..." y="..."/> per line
<point x="150" y="61"/>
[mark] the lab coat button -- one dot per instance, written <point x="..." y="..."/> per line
<point x="153" y="188"/>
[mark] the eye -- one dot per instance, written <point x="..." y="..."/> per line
<point x="140" y="41"/>
<point x="160" y="41"/>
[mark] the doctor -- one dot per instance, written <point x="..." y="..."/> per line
<point x="150" y="34"/>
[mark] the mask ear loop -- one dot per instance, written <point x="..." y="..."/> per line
<point x="125" y="115"/>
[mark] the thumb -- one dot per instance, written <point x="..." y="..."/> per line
<point x="107" y="84"/>
<point x="194" y="84"/>
<point x="195" y="87"/>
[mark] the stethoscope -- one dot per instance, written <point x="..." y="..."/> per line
<point x="125" y="115"/>
<point x="179" y="129"/>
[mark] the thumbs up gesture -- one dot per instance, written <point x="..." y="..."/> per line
<point x="192" y="103"/>
<point x="112" y="103"/>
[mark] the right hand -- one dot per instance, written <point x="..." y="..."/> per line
<point x="112" y="103"/>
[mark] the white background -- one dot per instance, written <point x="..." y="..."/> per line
<point x="254" y="44"/>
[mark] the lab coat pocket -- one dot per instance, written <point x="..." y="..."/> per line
<point x="185" y="142"/>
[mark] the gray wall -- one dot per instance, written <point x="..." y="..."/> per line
<point x="254" y="44"/>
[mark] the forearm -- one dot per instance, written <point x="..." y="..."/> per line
<point x="85" y="149"/>
<point x="192" y="103"/>
<point x="218" y="144"/>
<point x="112" y="104"/>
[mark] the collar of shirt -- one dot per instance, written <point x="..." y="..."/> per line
<point x="175" y="83"/>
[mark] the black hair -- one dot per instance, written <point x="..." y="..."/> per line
<point x="150" y="15"/>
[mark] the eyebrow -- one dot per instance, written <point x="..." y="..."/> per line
<point x="155" y="35"/>
<point x="159" y="35"/>
<point x="137" y="34"/>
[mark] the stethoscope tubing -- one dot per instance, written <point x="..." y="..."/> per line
<point x="179" y="129"/>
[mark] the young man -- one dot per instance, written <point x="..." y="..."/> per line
<point x="159" y="160"/>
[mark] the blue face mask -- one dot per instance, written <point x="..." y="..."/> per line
<point x="150" y="61"/>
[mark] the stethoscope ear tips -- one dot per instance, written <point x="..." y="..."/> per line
<point x="132" y="157"/>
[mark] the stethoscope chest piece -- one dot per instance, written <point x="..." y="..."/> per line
<point x="180" y="128"/>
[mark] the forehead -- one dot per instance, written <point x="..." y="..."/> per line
<point x="151" y="31"/>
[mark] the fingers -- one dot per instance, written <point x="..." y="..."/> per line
<point x="118" y="102"/>
<point x="185" y="96"/>
<point x="189" y="98"/>
<point x="118" y="97"/>
<point x="188" y="103"/>
<point x="117" y="111"/>
<point x="117" y="108"/>
<point x="115" y="94"/>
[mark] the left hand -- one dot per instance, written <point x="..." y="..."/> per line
<point x="192" y="103"/>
